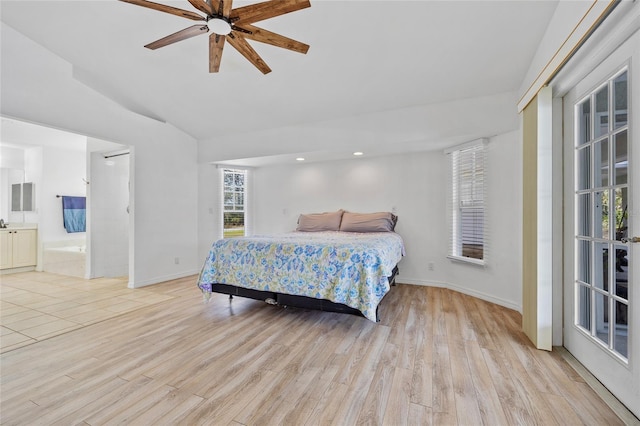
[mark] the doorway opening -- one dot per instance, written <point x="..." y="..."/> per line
<point x="59" y="164"/>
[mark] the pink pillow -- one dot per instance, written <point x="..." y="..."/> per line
<point x="316" y="222"/>
<point x="368" y="222"/>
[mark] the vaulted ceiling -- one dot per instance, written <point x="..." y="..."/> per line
<point x="386" y="76"/>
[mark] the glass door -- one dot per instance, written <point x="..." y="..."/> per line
<point x="601" y="291"/>
<point x="602" y="209"/>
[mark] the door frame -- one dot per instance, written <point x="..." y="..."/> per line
<point x="97" y="154"/>
<point x="598" y="69"/>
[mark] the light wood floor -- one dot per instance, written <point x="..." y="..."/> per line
<point x="35" y="306"/>
<point x="437" y="357"/>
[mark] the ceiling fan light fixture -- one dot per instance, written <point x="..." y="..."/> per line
<point x="220" y="18"/>
<point x="219" y="25"/>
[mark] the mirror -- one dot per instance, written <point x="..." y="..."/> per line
<point x="11" y="182"/>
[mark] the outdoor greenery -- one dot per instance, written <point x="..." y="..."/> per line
<point x="234" y="215"/>
<point x="620" y="212"/>
<point x="233" y="219"/>
<point x="232" y="233"/>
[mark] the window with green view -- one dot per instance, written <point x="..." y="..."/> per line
<point x="234" y="203"/>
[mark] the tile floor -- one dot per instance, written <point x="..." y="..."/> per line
<point x="37" y="305"/>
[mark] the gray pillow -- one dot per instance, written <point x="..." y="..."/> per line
<point x="368" y="222"/>
<point x="315" y="222"/>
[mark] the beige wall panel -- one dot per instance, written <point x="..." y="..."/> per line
<point x="529" y="220"/>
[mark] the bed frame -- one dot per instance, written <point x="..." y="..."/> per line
<point x="295" y="301"/>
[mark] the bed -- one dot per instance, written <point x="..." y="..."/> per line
<point x="338" y="271"/>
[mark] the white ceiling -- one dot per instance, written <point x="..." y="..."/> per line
<point x="413" y="74"/>
<point x="19" y="134"/>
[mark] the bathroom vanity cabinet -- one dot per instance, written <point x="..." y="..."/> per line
<point x="18" y="247"/>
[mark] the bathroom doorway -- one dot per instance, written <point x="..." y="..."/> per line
<point x="60" y="163"/>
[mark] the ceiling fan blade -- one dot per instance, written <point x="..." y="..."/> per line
<point x="202" y="6"/>
<point x="264" y="36"/>
<point x="179" y="36"/>
<point x="265" y="10"/>
<point x="241" y="45"/>
<point x="215" y="6"/>
<point x="216" y="44"/>
<point x="167" y="9"/>
<point x="227" y="6"/>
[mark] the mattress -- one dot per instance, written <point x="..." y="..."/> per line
<point x="343" y="267"/>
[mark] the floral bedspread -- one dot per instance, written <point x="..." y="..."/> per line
<point x="343" y="267"/>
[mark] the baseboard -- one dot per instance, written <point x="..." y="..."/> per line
<point x="616" y="406"/>
<point x="161" y="279"/>
<point x="17" y="270"/>
<point x="488" y="297"/>
<point x="463" y="290"/>
<point x="417" y="281"/>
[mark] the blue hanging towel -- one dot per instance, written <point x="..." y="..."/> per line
<point x="74" y="213"/>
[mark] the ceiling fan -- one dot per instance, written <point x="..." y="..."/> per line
<point x="232" y="25"/>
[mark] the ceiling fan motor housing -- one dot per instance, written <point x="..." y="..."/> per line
<point x="219" y="24"/>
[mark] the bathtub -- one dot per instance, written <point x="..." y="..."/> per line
<point x="72" y="249"/>
<point x="65" y="260"/>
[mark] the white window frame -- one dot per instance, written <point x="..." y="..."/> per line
<point x="467" y="192"/>
<point x="223" y="205"/>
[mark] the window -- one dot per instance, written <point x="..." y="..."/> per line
<point x="602" y="201"/>
<point x="467" y="202"/>
<point x="234" y="203"/>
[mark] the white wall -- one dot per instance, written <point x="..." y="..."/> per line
<point x="408" y="183"/>
<point x="209" y="212"/>
<point x="415" y="184"/>
<point x="33" y="165"/>
<point x="38" y="87"/>
<point x="62" y="173"/>
<point x="11" y="158"/>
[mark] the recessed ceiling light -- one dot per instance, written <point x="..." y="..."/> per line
<point x="299" y="159"/>
<point x="358" y="153"/>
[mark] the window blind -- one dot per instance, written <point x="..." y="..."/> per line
<point x="467" y="202"/>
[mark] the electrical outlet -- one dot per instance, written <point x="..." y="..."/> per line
<point x="430" y="266"/>
<point x="177" y="260"/>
